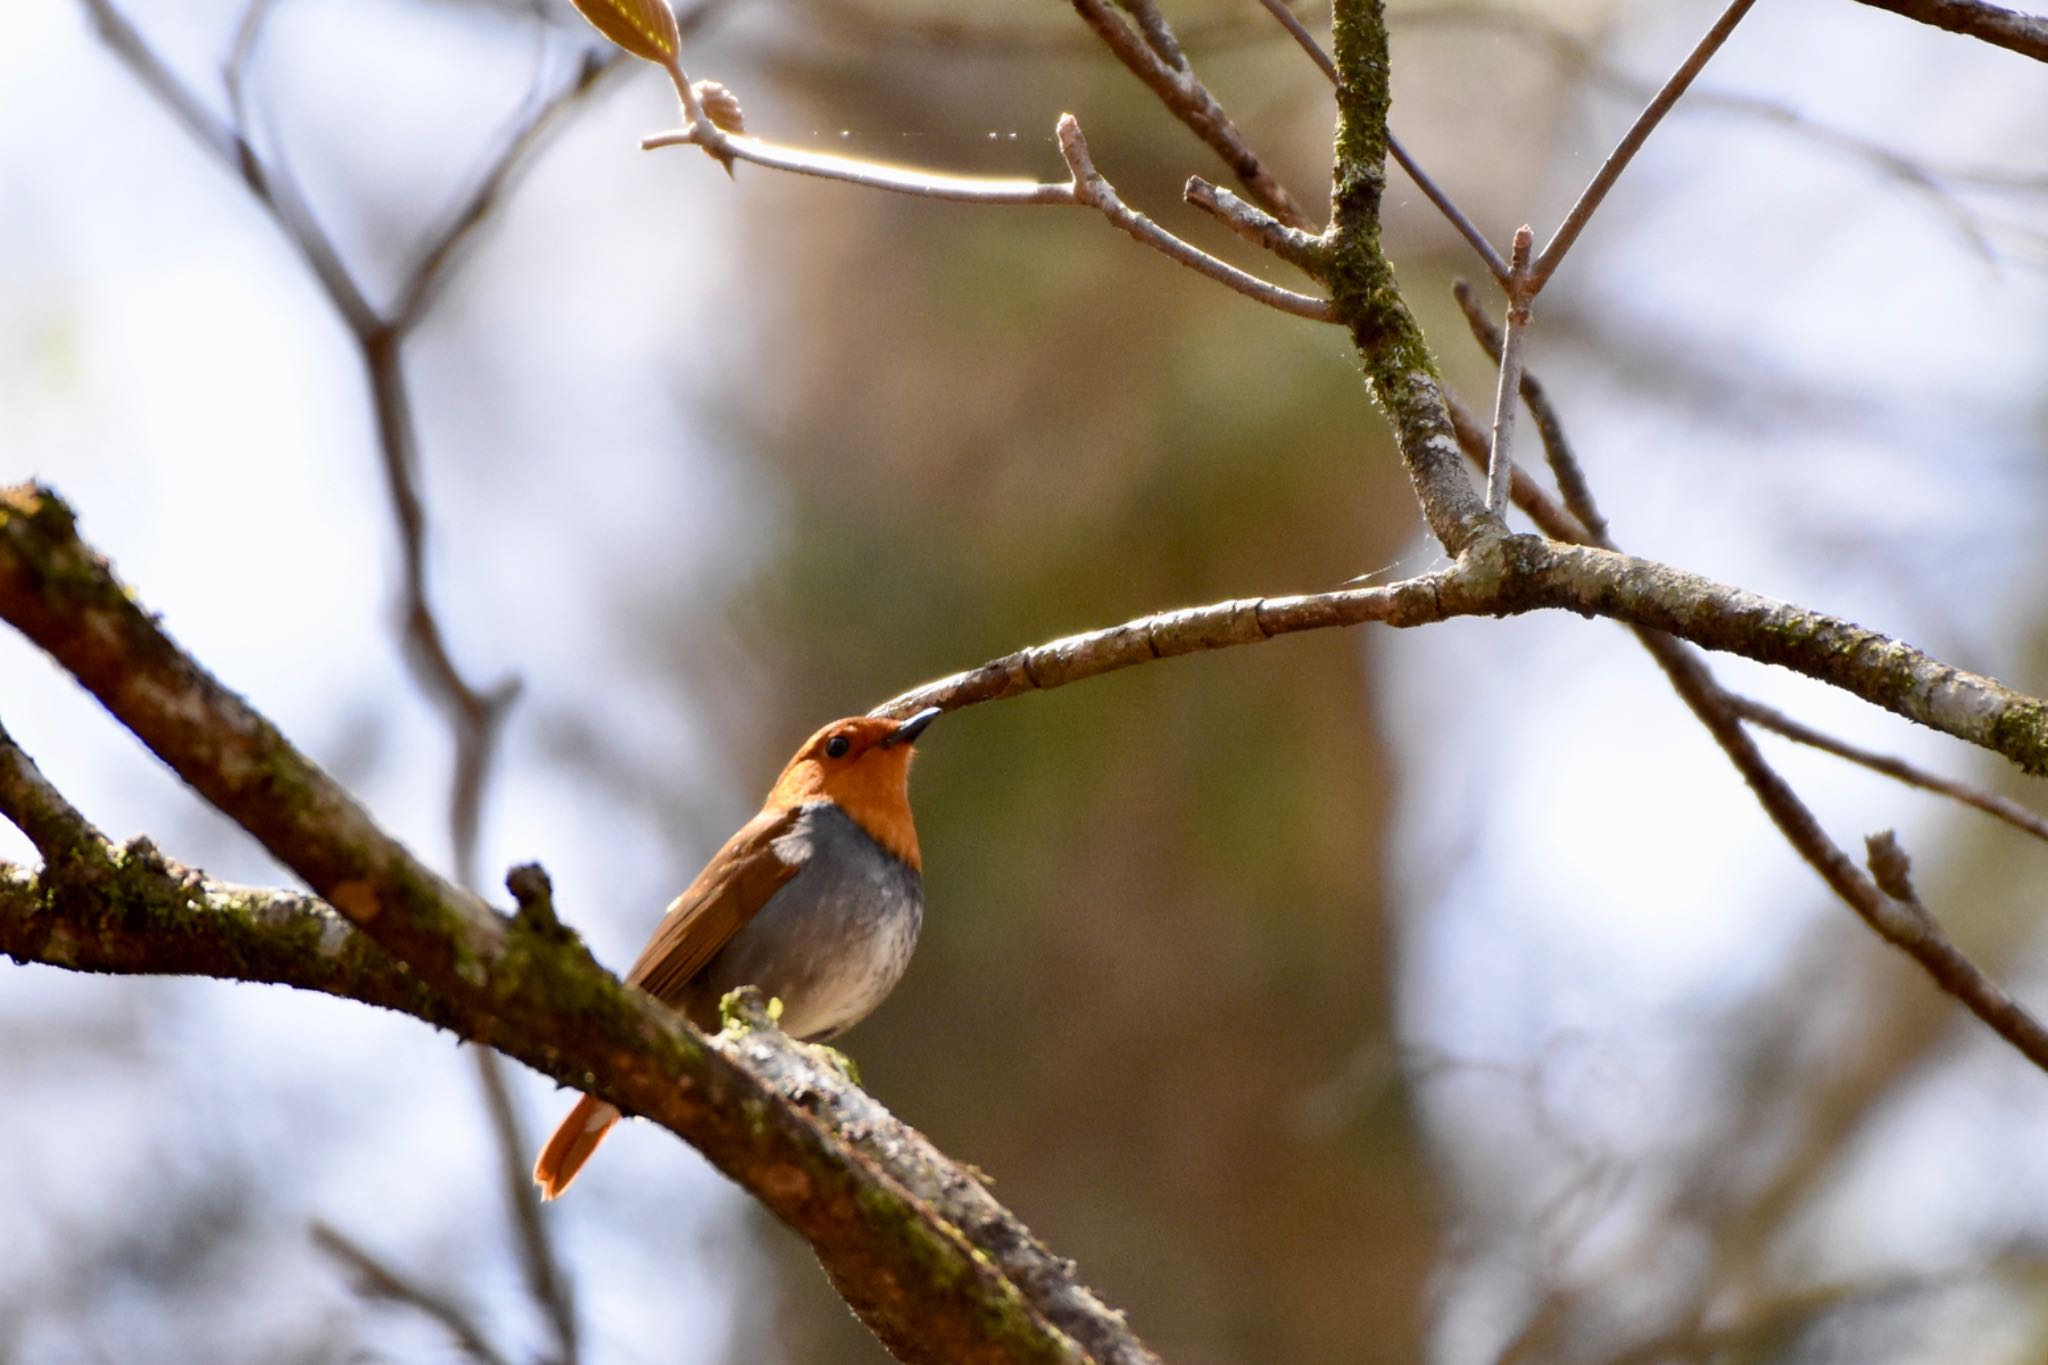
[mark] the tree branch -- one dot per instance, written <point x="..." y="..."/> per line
<point x="2026" y="34"/>
<point x="1991" y="803"/>
<point x="922" y="1282"/>
<point x="382" y="1281"/>
<point x="1190" y="102"/>
<point x="1423" y="181"/>
<point x="1889" y="908"/>
<point x="1397" y="361"/>
<point x="1653" y="113"/>
<point x="1087" y="188"/>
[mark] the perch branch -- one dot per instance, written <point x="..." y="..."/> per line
<point x="919" y="1280"/>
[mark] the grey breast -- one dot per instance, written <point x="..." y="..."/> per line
<point x="832" y="942"/>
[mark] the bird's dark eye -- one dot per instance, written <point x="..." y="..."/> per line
<point x="837" y="746"/>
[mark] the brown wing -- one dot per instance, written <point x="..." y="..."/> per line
<point x="735" y="884"/>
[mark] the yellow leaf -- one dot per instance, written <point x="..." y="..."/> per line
<point x="645" y="28"/>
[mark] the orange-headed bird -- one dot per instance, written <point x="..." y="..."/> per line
<point x="817" y="900"/>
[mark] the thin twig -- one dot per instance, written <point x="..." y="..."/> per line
<point x="1091" y="189"/>
<point x="1300" y="249"/>
<point x="2026" y="34"/>
<point x="874" y="175"/>
<point x="241" y="52"/>
<point x="1624" y="151"/>
<point x="1430" y="190"/>
<point x="474" y="714"/>
<point x="379" y="1280"/>
<point x="1158" y="33"/>
<point x="1991" y="803"/>
<point x="1557" y="447"/>
<point x="1578" y="500"/>
<point x="546" y="1280"/>
<point x="1507" y="395"/>
<point x="1190" y="101"/>
<point x="34" y="806"/>
<point x="1087" y="188"/>
<point x="232" y="148"/>
<point x="1303" y="39"/>
<point x="1904" y="923"/>
<point x="1932" y="180"/>
<point x="1448" y="208"/>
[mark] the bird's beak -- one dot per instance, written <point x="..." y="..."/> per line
<point x="908" y="731"/>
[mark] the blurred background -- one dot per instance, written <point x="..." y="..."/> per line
<point x="1368" y="997"/>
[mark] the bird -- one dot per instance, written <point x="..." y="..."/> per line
<point x="817" y="901"/>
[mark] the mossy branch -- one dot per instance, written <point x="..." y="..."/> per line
<point x="1398" y="365"/>
<point x="916" y="1276"/>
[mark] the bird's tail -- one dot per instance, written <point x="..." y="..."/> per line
<point x="572" y="1145"/>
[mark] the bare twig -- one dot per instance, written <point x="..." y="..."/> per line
<point x="2026" y="34"/>
<point x="874" y="175"/>
<point x="1902" y="922"/>
<point x="231" y="146"/>
<point x="379" y="1280"/>
<point x="1158" y="33"/>
<point x="1091" y="189"/>
<point x="1299" y="249"/>
<point x="35" y="807"/>
<point x="546" y="1281"/>
<point x="1508" y="393"/>
<point x="1303" y="39"/>
<point x="235" y="72"/>
<point x="1448" y="208"/>
<point x="1557" y="447"/>
<point x="517" y="142"/>
<point x="1991" y="803"/>
<point x="1431" y="191"/>
<point x="1553" y="253"/>
<point x="1190" y="101"/>
<point x="1087" y="188"/>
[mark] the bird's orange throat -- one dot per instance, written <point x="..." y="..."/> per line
<point x="874" y="790"/>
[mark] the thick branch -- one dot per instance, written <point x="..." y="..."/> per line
<point x="155" y="918"/>
<point x="139" y="913"/>
<point x="918" y="1280"/>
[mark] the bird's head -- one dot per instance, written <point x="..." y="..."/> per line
<point x="862" y="764"/>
